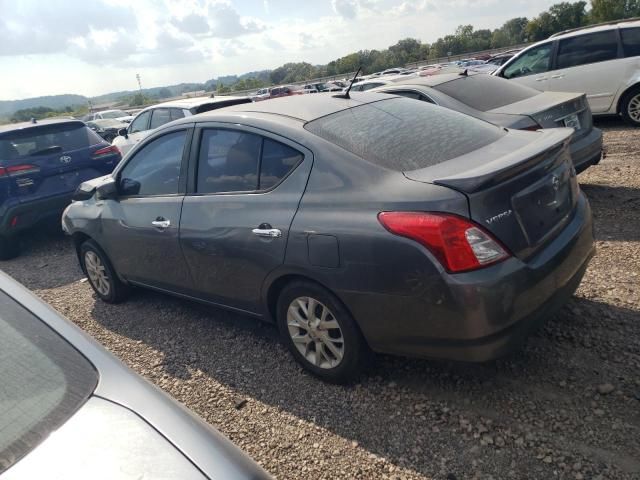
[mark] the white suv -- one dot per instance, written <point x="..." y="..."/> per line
<point x="153" y="117"/>
<point x="602" y="61"/>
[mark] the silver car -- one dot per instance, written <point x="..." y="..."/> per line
<point x="70" y="410"/>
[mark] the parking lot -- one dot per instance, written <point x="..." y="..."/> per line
<point x="567" y="406"/>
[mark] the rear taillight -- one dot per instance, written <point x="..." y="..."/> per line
<point x="16" y="170"/>
<point x="105" y="152"/>
<point x="457" y="243"/>
<point x="532" y="128"/>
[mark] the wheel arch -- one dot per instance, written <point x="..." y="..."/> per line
<point x="621" y="99"/>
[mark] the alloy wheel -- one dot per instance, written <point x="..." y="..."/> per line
<point x="97" y="273"/>
<point x="633" y="109"/>
<point x="315" y="332"/>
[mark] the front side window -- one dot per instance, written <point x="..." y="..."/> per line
<point x="630" y="41"/>
<point x="584" y="49"/>
<point x="141" y="123"/>
<point x="155" y="168"/>
<point x="533" y="61"/>
<point x="369" y="86"/>
<point x="160" y="117"/>
<point x="176" y="113"/>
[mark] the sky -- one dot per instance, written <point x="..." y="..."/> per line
<point x="91" y="47"/>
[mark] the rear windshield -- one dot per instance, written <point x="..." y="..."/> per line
<point x="43" y="381"/>
<point x="485" y="92"/>
<point x="207" y="107"/>
<point x="403" y="134"/>
<point x="37" y="140"/>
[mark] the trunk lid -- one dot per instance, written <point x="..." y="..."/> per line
<point x="553" y="110"/>
<point x="521" y="188"/>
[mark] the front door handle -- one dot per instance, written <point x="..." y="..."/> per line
<point x="557" y="76"/>
<point x="541" y="79"/>
<point x="161" y="223"/>
<point x="265" y="230"/>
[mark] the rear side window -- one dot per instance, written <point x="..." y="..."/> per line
<point x="43" y="381"/>
<point x="404" y="135"/>
<point x="278" y="160"/>
<point x="485" y="92"/>
<point x="630" y="41"/>
<point x="584" y="49"/>
<point x="228" y="161"/>
<point x="42" y="140"/>
<point x="159" y="117"/>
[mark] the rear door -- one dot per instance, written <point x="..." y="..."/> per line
<point x="140" y="227"/>
<point x="236" y="217"/>
<point x="52" y="160"/>
<point x="590" y="64"/>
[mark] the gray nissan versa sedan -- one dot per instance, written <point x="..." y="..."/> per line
<point x="70" y="410"/>
<point x="348" y="223"/>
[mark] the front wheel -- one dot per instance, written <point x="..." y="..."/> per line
<point x="630" y="108"/>
<point x="101" y="275"/>
<point x="9" y="247"/>
<point x="320" y="333"/>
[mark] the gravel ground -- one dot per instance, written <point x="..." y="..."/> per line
<point x="567" y="406"/>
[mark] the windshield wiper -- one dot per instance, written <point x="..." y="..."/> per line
<point x="44" y="151"/>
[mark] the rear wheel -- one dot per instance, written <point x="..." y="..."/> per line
<point x="9" y="247"/>
<point x="630" y="107"/>
<point x="320" y="333"/>
<point x="101" y="275"/>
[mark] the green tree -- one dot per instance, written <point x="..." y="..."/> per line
<point x="606" y="10"/>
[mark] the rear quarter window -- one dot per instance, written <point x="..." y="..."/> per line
<point x="630" y="41"/>
<point x="403" y="135"/>
<point x="485" y="92"/>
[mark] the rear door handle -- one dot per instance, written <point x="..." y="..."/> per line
<point x="161" y="223"/>
<point x="265" y="230"/>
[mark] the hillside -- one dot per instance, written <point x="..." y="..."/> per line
<point x="7" y="107"/>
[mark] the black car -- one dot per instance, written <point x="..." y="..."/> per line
<point x="108" y="128"/>
<point x="347" y="223"/>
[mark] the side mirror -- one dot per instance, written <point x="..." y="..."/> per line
<point x="128" y="187"/>
<point x="107" y="190"/>
<point x="123" y="132"/>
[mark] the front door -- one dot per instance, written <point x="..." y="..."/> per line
<point x="235" y="220"/>
<point x="141" y="227"/>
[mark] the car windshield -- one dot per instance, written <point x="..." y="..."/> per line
<point x="34" y="140"/>
<point x="485" y="92"/>
<point x="402" y="134"/>
<point x="43" y="381"/>
<point x="114" y="114"/>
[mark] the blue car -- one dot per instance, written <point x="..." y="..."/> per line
<point x="41" y="165"/>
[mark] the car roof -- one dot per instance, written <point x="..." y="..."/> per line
<point x="50" y="121"/>
<point x="112" y="110"/>
<point x="301" y="107"/>
<point x="193" y="102"/>
<point x="630" y="23"/>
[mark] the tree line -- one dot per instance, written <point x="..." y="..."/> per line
<point x="465" y="39"/>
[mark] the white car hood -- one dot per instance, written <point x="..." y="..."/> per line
<point x="104" y="441"/>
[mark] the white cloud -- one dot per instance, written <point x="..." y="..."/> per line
<point x="345" y="8"/>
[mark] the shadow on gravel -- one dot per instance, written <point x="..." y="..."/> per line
<point x="401" y="409"/>
<point x="618" y="206"/>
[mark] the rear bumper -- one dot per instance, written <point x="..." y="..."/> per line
<point x="29" y="214"/>
<point x="587" y="150"/>
<point x="481" y="315"/>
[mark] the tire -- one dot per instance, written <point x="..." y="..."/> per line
<point x="319" y="349"/>
<point x="101" y="274"/>
<point x="9" y="247"/>
<point x="630" y="107"/>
